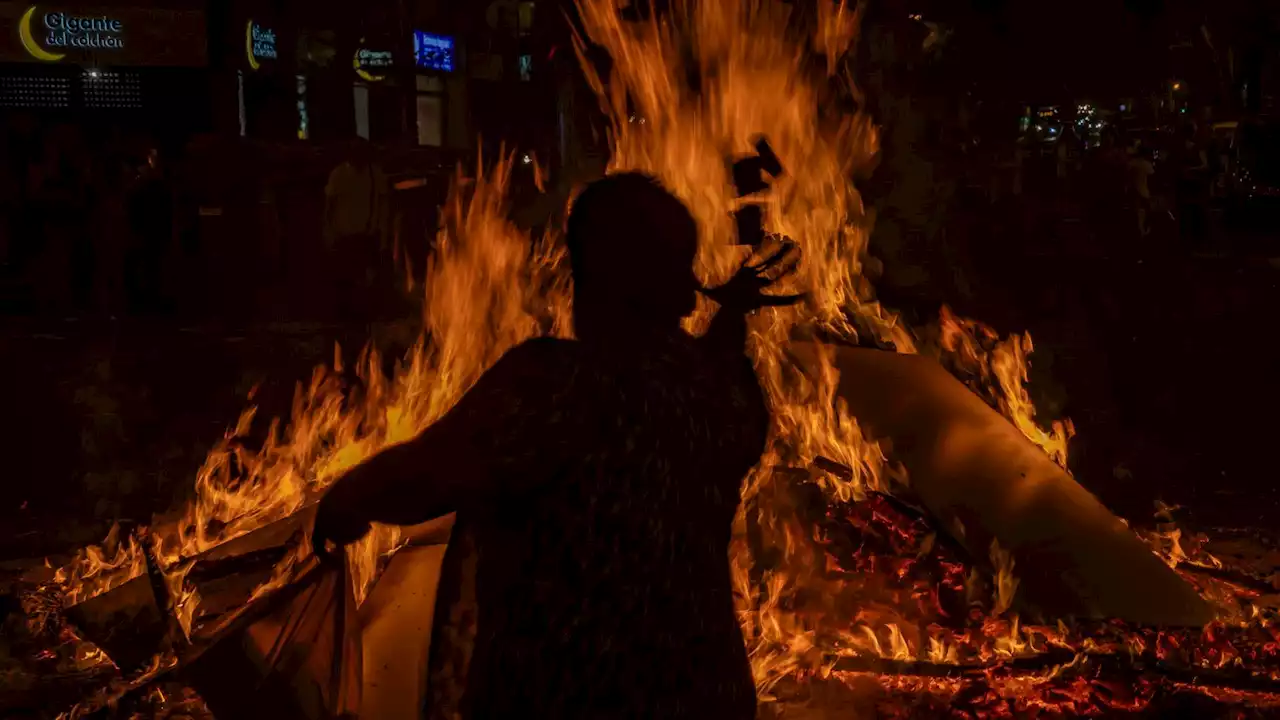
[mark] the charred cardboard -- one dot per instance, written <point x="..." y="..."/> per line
<point x="431" y="532"/>
<point x="983" y="480"/>
<point x="293" y="655"/>
<point x="126" y="622"/>
<point x="397" y="620"/>
<point x="224" y="592"/>
<point x="227" y="574"/>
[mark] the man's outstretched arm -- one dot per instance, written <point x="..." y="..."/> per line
<point x="501" y="437"/>
<point x="743" y="295"/>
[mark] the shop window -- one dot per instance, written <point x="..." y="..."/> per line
<point x="526" y="67"/>
<point x="430" y="111"/>
<point x="510" y="18"/>
<point x="525" y="14"/>
<point x="361" y="99"/>
<point x="430" y="120"/>
<point x="244" y="115"/>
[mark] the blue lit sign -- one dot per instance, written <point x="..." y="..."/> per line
<point x="432" y="52"/>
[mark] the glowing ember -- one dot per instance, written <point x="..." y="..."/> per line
<point x="837" y="583"/>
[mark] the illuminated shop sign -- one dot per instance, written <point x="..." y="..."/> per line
<point x="259" y="44"/>
<point x="97" y="35"/>
<point x="82" y="32"/>
<point x="60" y="30"/>
<point x="372" y="65"/>
<point x="432" y="52"/>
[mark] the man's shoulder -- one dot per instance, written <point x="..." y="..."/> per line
<point x="539" y="363"/>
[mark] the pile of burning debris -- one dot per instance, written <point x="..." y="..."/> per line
<point x="911" y="543"/>
<point x="984" y="640"/>
<point x="979" y="664"/>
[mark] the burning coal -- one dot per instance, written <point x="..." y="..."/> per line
<point x="848" y="594"/>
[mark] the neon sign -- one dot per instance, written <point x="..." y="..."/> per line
<point x="61" y="30"/>
<point x="432" y="52"/>
<point x="371" y="64"/>
<point x="260" y="44"/>
<point x="83" y="32"/>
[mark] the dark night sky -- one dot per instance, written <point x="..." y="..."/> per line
<point x="1047" y="51"/>
<point x="1031" y="48"/>
<point x="1040" y="51"/>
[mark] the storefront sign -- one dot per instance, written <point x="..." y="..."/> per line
<point x="87" y="32"/>
<point x="259" y="44"/>
<point x="432" y="52"/>
<point x="372" y="65"/>
<point x="62" y="30"/>
<point x="101" y="35"/>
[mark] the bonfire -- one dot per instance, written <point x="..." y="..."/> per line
<point x="855" y="596"/>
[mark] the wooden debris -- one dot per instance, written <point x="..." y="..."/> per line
<point x="267" y="537"/>
<point x="25" y="695"/>
<point x="133" y="622"/>
<point x="228" y="583"/>
<point x="127" y="622"/>
<point x="227" y="575"/>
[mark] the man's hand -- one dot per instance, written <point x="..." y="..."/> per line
<point x="744" y="293"/>
<point x="338" y="523"/>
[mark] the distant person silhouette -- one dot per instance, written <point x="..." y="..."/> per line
<point x="357" y="231"/>
<point x="599" y="479"/>
<point x="1141" y="169"/>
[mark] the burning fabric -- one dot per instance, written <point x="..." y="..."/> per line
<point x="904" y="543"/>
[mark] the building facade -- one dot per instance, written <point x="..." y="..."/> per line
<point x="107" y="67"/>
<point x="454" y="75"/>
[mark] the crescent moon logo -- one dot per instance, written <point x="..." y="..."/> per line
<point x="29" y="41"/>
<point x="365" y="74"/>
<point x="248" y="46"/>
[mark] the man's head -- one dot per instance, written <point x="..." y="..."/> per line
<point x="631" y="248"/>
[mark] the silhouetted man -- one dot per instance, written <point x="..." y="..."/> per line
<point x="356" y="228"/>
<point x="150" y="217"/>
<point x="1192" y="187"/>
<point x="599" y="479"/>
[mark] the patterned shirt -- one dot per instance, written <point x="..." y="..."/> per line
<point x="588" y="576"/>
